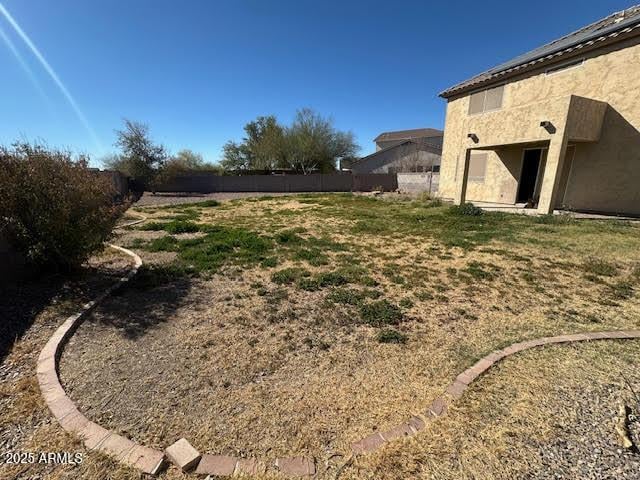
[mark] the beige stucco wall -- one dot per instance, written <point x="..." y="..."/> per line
<point x="605" y="173"/>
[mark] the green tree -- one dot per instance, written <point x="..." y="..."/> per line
<point x="313" y="143"/>
<point x="261" y="149"/>
<point x="184" y="162"/>
<point x="310" y="143"/>
<point x="139" y="157"/>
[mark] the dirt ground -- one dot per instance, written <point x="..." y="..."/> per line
<point x="241" y="364"/>
<point x="254" y="335"/>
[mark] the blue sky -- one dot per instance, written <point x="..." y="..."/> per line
<point x="197" y="71"/>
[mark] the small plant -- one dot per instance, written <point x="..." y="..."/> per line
<point x="181" y="226"/>
<point x="287" y="237"/>
<point x="380" y="313"/>
<point x="269" y="262"/>
<point x="346" y="296"/>
<point x="289" y="275"/>
<point x="313" y="256"/>
<point x="406" y="303"/>
<point x="466" y="209"/>
<point x="597" y="266"/>
<point x="478" y="271"/>
<point x="622" y="290"/>
<point x="174" y="227"/>
<point x="424" y="296"/>
<point x="309" y="284"/>
<point x="332" y="279"/>
<point x="528" y="277"/>
<point x="162" y="244"/>
<point x="389" y="335"/>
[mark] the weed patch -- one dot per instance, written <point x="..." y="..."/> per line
<point x="289" y="275"/>
<point x="390" y="335"/>
<point x="380" y="313"/>
<point x="597" y="266"/>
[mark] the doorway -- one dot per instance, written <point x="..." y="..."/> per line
<point x="529" y="178"/>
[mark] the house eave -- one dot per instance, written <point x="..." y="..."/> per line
<point x="619" y="34"/>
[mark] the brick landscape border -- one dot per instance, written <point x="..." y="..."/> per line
<point x="440" y="405"/>
<point x="182" y="454"/>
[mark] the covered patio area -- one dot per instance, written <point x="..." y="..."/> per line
<point x="520" y="159"/>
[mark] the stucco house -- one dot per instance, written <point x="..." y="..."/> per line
<point x="555" y="128"/>
<point x="403" y="151"/>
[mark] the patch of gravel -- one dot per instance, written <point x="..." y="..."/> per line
<point x="177" y="198"/>
<point x="588" y="446"/>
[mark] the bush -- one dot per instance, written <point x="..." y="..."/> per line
<point x="468" y="209"/>
<point x="54" y="209"/>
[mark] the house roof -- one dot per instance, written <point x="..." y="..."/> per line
<point x="611" y="27"/>
<point x="408" y="134"/>
<point x="397" y="145"/>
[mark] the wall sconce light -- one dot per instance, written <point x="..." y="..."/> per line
<point x="548" y="126"/>
<point x="473" y="137"/>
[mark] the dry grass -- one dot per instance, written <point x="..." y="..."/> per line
<point x="206" y="345"/>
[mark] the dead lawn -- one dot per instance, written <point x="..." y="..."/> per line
<point x="261" y="330"/>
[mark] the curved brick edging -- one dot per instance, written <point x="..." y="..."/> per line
<point x="455" y="390"/>
<point x="64" y="410"/>
<point x="151" y="461"/>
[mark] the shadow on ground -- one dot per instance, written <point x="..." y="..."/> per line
<point x="51" y="296"/>
<point x="152" y="297"/>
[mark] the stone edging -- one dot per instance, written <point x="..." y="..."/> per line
<point x="439" y="406"/>
<point x="64" y="410"/>
<point x="152" y="461"/>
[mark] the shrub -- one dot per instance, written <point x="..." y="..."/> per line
<point x="389" y="335"/>
<point x="54" y="209"/>
<point x="467" y="209"/>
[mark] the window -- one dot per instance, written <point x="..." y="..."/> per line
<point x="435" y="169"/>
<point x="477" y="167"/>
<point x="486" y="100"/>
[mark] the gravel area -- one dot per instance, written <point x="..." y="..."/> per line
<point x="589" y="448"/>
<point x="176" y="198"/>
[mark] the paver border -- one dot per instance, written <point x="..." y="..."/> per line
<point x="455" y="389"/>
<point x="151" y="461"/>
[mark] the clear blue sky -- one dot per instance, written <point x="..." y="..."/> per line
<point x="197" y="71"/>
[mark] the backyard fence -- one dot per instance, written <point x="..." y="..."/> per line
<point x="206" y="182"/>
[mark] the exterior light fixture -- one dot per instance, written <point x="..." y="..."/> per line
<point x="548" y="126"/>
<point x="473" y="137"/>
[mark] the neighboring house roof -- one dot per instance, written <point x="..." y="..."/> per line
<point x="610" y="27"/>
<point x="408" y="134"/>
<point x="419" y="142"/>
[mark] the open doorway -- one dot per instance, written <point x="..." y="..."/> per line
<point x="533" y="162"/>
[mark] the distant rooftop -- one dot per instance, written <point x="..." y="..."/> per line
<point x="408" y="134"/>
<point x="607" y="28"/>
